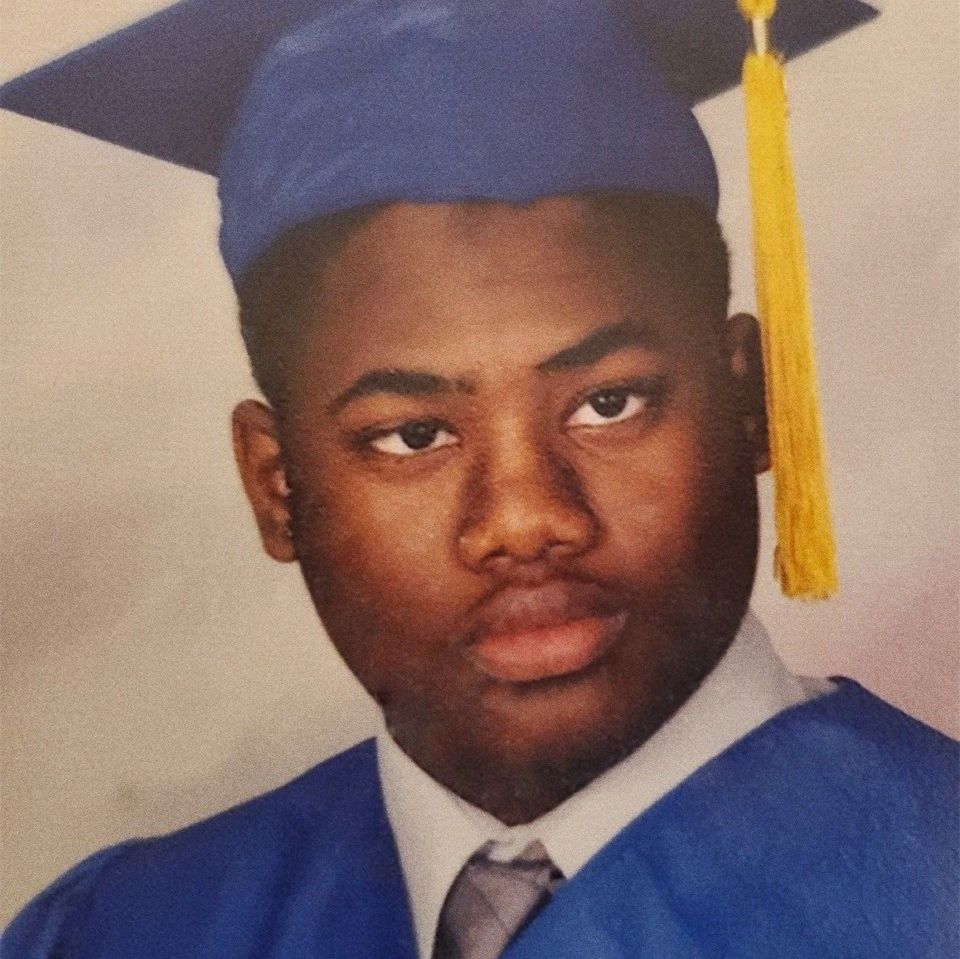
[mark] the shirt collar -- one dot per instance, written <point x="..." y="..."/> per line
<point x="437" y="831"/>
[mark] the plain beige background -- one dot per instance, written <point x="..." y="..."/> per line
<point x="156" y="667"/>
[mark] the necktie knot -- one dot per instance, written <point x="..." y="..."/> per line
<point x="490" y="902"/>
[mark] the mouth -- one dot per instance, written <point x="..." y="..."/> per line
<point x="556" y="630"/>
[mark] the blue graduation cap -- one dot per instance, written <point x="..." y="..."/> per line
<point x="309" y="107"/>
<point x="305" y="108"/>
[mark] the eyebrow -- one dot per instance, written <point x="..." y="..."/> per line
<point x="398" y="383"/>
<point x="591" y="349"/>
<point x="598" y="345"/>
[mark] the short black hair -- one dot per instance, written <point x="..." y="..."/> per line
<point x="676" y="235"/>
<point x="272" y="294"/>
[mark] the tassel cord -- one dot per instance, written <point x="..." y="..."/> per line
<point x="805" y="561"/>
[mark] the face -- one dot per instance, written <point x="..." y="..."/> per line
<point x="517" y="470"/>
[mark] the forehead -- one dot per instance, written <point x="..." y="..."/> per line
<point x="455" y="286"/>
<point x="500" y="233"/>
<point x="484" y="243"/>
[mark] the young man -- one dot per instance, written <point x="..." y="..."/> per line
<point x="511" y="438"/>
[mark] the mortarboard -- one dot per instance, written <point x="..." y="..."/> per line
<point x="305" y="108"/>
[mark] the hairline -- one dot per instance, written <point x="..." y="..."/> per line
<point x="300" y="255"/>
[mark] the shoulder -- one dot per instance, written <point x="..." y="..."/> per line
<point x="861" y="744"/>
<point x="850" y="769"/>
<point x="843" y="811"/>
<point x="234" y="855"/>
<point x="38" y="931"/>
<point x="830" y="830"/>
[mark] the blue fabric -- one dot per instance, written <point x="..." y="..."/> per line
<point x="169" y="85"/>
<point x="305" y="107"/>
<point x="310" y="870"/>
<point x="831" y="831"/>
<point x="447" y="101"/>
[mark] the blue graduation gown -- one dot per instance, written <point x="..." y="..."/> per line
<point x="830" y="831"/>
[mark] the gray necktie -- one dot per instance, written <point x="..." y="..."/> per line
<point x="490" y="902"/>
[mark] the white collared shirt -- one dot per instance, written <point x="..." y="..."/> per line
<point x="437" y="831"/>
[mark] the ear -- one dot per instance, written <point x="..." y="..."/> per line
<point x="256" y="447"/>
<point x="744" y="355"/>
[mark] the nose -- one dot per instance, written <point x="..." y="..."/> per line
<point x="524" y="506"/>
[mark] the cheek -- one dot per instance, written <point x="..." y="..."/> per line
<point x="378" y="551"/>
<point x="658" y="498"/>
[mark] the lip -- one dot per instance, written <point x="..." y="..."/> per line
<point x="525" y="635"/>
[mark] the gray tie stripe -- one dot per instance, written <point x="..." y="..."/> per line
<point x="490" y="902"/>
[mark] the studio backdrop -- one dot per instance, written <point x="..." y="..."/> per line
<point x="158" y="667"/>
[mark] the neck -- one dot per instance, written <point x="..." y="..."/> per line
<point x="522" y="790"/>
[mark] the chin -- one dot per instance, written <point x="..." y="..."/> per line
<point x="556" y="724"/>
<point x="598" y="716"/>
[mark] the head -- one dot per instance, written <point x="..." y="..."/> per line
<point x="513" y="449"/>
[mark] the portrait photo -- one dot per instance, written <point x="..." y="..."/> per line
<point x="479" y="478"/>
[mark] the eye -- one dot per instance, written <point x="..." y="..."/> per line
<point x="418" y="436"/>
<point x="612" y="405"/>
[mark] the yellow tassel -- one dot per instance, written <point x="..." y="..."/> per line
<point x="757" y="9"/>
<point x="805" y="558"/>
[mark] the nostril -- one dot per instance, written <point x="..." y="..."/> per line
<point x="561" y="550"/>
